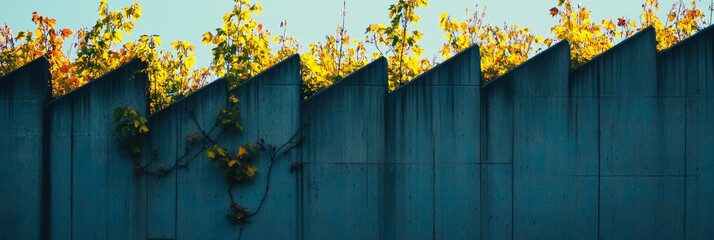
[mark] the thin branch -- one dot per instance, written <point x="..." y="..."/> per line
<point x="342" y="34"/>
<point x="403" y="50"/>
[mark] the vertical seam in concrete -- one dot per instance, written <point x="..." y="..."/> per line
<point x="482" y="151"/>
<point x="513" y="157"/>
<point x="599" y="174"/>
<point x="480" y="186"/>
<point x="480" y="162"/>
<point x="71" y="172"/>
<point x="299" y="189"/>
<point x="433" y="190"/>
<point x="684" y="223"/>
<point x="46" y="187"/>
<point x="175" y="118"/>
<point x="147" y="153"/>
<point x="300" y="218"/>
<point x="107" y="178"/>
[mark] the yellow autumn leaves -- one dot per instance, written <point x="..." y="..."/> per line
<point x="503" y="48"/>
<point x="399" y="42"/>
<point x="242" y="47"/>
<point x="236" y="166"/>
<point x="128" y="126"/>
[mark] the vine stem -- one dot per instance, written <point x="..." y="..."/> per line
<point x="240" y="231"/>
<point x="275" y="155"/>
<point x="206" y="139"/>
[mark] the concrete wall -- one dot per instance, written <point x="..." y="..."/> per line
<point x="685" y="80"/>
<point x="619" y="148"/>
<point x="167" y="146"/>
<point x="270" y="107"/>
<point x="432" y="172"/>
<point x="535" y="153"/>
<point x="640" y="166"/>
<point x="94" y="191"/>
<point x="23" y="94"/>
<point x="343" y="153"/>
<point x="269" y="104"/>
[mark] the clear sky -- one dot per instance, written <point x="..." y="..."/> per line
<point x="308" y="20"/>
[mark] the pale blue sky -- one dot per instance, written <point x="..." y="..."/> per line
<point x="308" y="20"/>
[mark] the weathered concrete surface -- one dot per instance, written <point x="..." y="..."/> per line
<point x="640" y="164"/>
<point x="637" y="148"/>
<point x="23" y="94"/>
<point x="497" y="109"/>
<point x="431" y="182"/>
<point x="162" y="152"/>
<point x="343" y="128"/>
<point x="269" y="105"/>
<point x="94" y="192"/>
<point x="620" y="148"/>
<point x="201" y="183"/>
<point x="496" y="201"/>
<point x="543" y="167"/>
<point x="528" y="156"/>
<point x="193" y="171"/>
<point x="685" y="75"/>
<point x="496" y="158"/>
<point x="270" y="108"/>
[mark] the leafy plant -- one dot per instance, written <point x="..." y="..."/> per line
<point x="403" y="51"/>
<point x="236" y="166"/>
<point x="331" y="60"/>
<point x="129" y="126"/>
<point x="45" y="40"/>
<point x="242" y="45"/>
<point x="229" y="117"/>
<point x="501" y="48"/>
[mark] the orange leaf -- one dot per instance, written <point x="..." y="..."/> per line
<point x="35" y="17"/>
<point x="242" y="152"/>
<point x="51" y="22"/>
<point x="66" y="32"/>
<point x="260" y="27"/>
<point x="621" y="22"/>
<point x="554" y="11"/>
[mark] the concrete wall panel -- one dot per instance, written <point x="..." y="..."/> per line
<point x="432" y="149"/>
<point x="343" y="128"/>
<point x="685" y="73"/>
<point x="23" y="94"/>
<point x="544" y="170"/>
<point x="270" y="110"/>
<point x="497" y="201"/>
<point x="107" y="199"/>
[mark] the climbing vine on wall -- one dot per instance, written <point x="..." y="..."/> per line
<point x="237" y="166"/>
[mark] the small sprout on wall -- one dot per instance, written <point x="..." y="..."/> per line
<point x="295" y="167"/>
<point x="238" y="213"/>
<point x="193" y="138"/>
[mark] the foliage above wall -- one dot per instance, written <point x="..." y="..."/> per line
<point x="242" y="46"/>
